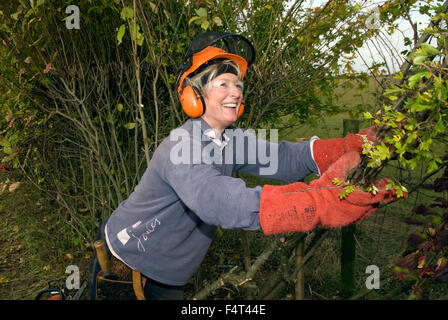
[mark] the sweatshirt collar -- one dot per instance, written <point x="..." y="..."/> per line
<point x="220" y="140"/>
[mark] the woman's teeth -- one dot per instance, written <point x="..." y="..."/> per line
<point x="229" y="105"/>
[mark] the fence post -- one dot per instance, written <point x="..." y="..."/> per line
<point x="348" y="248"/>
<point x="300" y="278"/>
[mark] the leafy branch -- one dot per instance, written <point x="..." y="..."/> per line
<point x="416" y="118"/>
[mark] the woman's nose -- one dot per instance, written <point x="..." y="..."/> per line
<point x="235" y="91"/>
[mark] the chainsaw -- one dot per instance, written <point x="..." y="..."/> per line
<point x="58" y="291"/>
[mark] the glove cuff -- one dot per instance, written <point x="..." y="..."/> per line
<point x="326" y="152"/>
<point x="280" y="213"/>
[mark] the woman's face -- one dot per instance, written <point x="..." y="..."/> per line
<point x="223" y="100"/>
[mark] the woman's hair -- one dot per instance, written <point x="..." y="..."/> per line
<point x="202" y="77"/>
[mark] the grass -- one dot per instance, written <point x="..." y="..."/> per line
<point x="35" y="241"/>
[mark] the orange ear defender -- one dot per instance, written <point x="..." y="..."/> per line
<point x="240" y="112"/>
<point x="192" y="102"/>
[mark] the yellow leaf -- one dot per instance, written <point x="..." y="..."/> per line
<point x="217" y="21"/>
<point x="15" y="229"/>
<point x="154" y="7"/>
<point x="421" y="262"/>
<point x="14" y="186"/>
<point x="400" y="117"/>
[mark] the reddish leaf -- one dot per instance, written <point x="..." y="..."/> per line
<point x="410" y="261"/>
<point x="413" y="221"/>
<point x="441" y="263"/>
<point x="47" y="68"/>
<point x="414" y="240"/>
<point x="425" y="245"/>
<point x="441" y="239"/>
<point x="421" y="261"/>
<point x="426" y="272"/>
<point x="417" y="290"/>
<point x="400" y="273"/>
<point x="442" y="275"/>
<point x="439" y="202"/>
<point x="423" y="210"/>
<point x="440" y="184"/>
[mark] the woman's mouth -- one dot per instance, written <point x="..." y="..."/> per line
<point x="229" y="105"/>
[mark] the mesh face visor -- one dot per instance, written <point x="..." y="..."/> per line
<point x="231" y="43"/>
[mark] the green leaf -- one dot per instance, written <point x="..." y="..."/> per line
<point x="337" y="182"/>
<point x="400" y="117"/>
<point x="193" y="19"/>
<point x="4" y="141"/>
<point x="121" y="32"/>
<point x="367" y="115"/>
<point x="440" y="127"/>
<point x="419" y="59"/>
<point x="420" y="107"/>
<point x="441" y="92"/>
<point x="120" y="107"/>
<point x="347" y="190"/>
<point x="202" y="12"/>
<point x="140" y="39"/>
<point x="205" y="24"/>
<point x="130" y="125"/>
<point x="430" y="49"/>
<point x="127" y="13"/>
<point x="432" y="165"/>
<point x="383" y="151"/>
<point x="416" y="77"/>
<point x="392" y="91"/>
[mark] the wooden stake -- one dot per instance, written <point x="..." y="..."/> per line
<point x="348" y="247"/>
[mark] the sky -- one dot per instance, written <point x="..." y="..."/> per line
<point x="368" y="54"/>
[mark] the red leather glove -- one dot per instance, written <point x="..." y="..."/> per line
<point x="301" y="207"/>
<point x="326" y="152"/>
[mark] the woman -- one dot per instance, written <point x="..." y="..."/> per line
<point x="165" y="227"/>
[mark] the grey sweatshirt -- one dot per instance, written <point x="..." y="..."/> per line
<point x="166" y="226"/>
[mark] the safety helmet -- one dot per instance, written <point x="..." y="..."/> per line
<point x="202" y="51"/>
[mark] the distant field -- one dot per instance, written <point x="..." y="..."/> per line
<point x="349" y="95"/>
